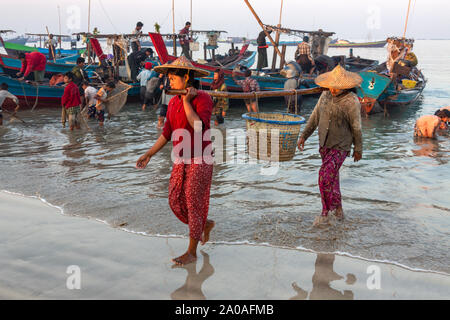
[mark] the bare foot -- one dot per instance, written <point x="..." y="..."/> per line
<point x="184" y="259"/>
<point x="339" y="214"/>
<point x="209" y="225"/>
<point x="321" y="221"/>
<point x="144" y="107"/>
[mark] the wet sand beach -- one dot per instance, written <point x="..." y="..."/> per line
<point x="38" y="244"/>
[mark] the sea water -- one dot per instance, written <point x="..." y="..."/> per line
<point x="396" y="199"/>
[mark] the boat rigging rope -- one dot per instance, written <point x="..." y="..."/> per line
<point x="108" y="17"/>
<point x="37" y="97"/>
<point x="296" y="102"/>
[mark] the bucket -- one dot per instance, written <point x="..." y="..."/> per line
<point x="262" y="127"/>
<point x="409" y="84"/>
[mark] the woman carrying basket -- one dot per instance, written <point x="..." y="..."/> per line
<point x="338" y="116"/>
<point x="188" y="121"/>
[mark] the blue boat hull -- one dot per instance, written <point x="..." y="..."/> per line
<point x="12" y="65"/>
<point x="381" y="88"/>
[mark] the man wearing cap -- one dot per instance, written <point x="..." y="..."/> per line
<point x="143" y="77"/>
<point x="187" y="125"/>
<point x="338" y="116"/>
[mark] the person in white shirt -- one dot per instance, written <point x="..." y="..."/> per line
<point x="4" y="93"/>
<point x="89" y="94"/>
<point x="97" y="111"/>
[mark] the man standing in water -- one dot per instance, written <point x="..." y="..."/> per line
<point x="71" y="101"/>
<point x="189" y="117"/>
<point x="338" y="116"/>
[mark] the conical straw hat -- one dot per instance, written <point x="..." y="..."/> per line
<point x="339" y="78"/>
<point x="181" y="63"/>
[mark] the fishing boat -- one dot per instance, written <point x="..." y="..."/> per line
<point x="164" y="57"/>
<point x="378" y="88"/>
<point x="269" y="81"/>
<point x="347" y="44"/>
<point x="31" y="94"/>
<point x="378" y="84"/>
<point x="18" y="40"/>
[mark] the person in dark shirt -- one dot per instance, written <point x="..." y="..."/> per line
<point x="185" y="40"/>
<point x="136" y="59"/>
<point x="262" y="50"/>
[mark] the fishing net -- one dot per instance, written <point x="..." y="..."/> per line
<point x="117" y="98"/>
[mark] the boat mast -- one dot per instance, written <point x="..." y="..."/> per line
<point x="173" y="29"/>
<point x="60" y="33"/>
<point x="264" y="28"/>
<point x="190" y="20"/>
<point x="407" y="16"/>
<point x="88" y="44"/>
<point x="89" y="17"/>
<point x="277" y="40"/>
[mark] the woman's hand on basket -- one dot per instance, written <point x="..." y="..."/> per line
<point x="301" y="144"/>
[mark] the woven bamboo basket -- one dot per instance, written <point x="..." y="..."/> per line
<point x="263" y="126"/>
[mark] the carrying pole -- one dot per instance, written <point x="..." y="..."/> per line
<point x="88" y="43"/>
<point x="277" y="39"/>
<point x="59" y="20"/>
<point x="264" y="29"/>
<point x="173" y="29"/>
<point x="253" y="95"/>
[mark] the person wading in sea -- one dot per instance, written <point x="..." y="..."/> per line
<point x="220" y="104"/>
<point x="189" y="117"/>
<point x="5" y="94"/>
<point x="71" y="102"/>
<point x="338" y="116"/>
<point x="428" y="126"/>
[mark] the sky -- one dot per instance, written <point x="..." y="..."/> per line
<point x="350" y="19"/>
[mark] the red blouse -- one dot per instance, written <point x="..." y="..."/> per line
<point x="71" y="96"/>
<point x="176" y="119"/>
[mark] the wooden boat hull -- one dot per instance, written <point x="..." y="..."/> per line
<point x="28" y="93"/>
<point x="12" y="65"/>
<point x="45" y="94"/>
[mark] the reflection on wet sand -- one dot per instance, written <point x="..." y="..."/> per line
<point x="192" y="289"/>
<point x="323" y="276"/>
